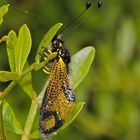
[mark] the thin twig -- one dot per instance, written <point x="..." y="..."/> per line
<point x="30" y="119"/>
<point x="2" y="134"/>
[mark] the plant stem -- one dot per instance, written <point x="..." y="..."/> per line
<point x="13" y="83"/>
<point x="29" y="69"/>
<point x="34" y="104"/>
<point x="2" y="134"/>
<point x="8" y="89"/>
<point x="30" y="119"/>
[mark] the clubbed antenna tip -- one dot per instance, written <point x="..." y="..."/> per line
<point x="99" y="4"/>
<point x="88" y="5"/>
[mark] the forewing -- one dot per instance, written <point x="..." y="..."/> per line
<point x="55" y="106"/>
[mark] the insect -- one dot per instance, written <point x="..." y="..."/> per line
<point x="59" y="98"/>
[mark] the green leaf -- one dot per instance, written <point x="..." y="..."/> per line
<point x="80" y="64"/>
<point x="4" y="38"/>
<point x="46" y="40"/>
<point x="3" y="11"/>
<point x="26" y="83"/>
<point x="23" y="47"/>
<point x="10" y="120"/>
<point x="35" y="135"/>
<point x="7" y="76"/>
<point x="76" y="110"/>
<point x="11" y="44"/>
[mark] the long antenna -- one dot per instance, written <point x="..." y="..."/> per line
<point x="23" y="11"/>
<point x="99" y="4"/>
<point x="87" y="6"/>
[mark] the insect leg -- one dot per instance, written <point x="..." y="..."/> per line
<point x="45" y="55"/>
<point x="46" y="70"/>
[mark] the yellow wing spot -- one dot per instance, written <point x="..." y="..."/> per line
<point x="48" y="123"/>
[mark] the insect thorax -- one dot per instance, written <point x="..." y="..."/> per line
<point x="58" y="46"/>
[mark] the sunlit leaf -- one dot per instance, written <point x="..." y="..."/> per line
<point x="7" y="76"/>
<point x="11" y="44"/>
<point x="80" y="65"/>
<point x="10" y="121"/>
<point x="46" y="40"/>
<point x="23" y="47"/>
<point x="4" y="38"/>
<point x="3" y="11"/>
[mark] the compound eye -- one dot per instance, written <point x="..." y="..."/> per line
<point x="55" y="44"/>
<point x="65" y="56"/>
<point x="64" y="53"/>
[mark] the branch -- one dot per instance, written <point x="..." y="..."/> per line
<point x="30" y="119"/>
<point x="2" y="134"/>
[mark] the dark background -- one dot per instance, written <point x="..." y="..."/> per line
<point x="111" y="89"/>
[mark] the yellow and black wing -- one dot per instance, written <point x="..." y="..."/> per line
<point x="58" y="101"/>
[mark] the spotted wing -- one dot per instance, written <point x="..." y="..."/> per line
<point x="58" y="101"/>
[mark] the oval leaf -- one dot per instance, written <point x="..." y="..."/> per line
<point x="80" y="64"/>
<point x="3" y="11"/>
<point x="10" y="120"/>
<point x="7" y="76"/>
<point x="46" y="40"/>
<point x="23" y="47"/>
<point x="76" y="110"/>
<point x="4" y="38"/>
<point x="11" y="44"/>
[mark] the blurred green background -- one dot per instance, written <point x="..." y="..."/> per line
<point x="111" y="89"/>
